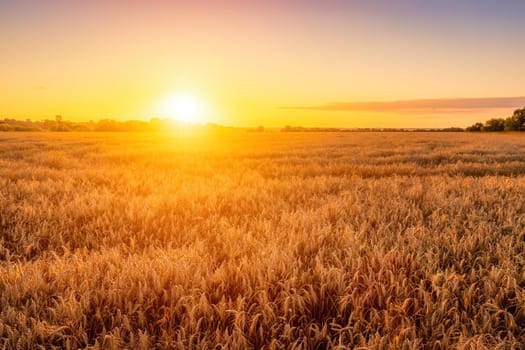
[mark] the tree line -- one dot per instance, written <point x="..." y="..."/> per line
<point x="516" y="122"/>
<point x="59" y="124"/>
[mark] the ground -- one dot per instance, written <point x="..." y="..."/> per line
<point x="262" y="240"/>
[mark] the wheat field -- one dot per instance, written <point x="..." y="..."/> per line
<point x="262" y="241"/>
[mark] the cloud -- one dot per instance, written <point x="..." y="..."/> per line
<point x="429" y="106"/>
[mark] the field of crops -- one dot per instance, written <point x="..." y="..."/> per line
<point x="262" y="240"/>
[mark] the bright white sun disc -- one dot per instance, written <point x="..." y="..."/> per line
<point x="184" y="107"/>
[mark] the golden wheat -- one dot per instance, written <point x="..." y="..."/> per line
<point x="262" y="240"/>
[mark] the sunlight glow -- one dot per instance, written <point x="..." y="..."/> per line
<point x="184" y="107"/>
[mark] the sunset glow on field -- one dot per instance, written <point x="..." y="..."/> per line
<point x="279" y="174"/>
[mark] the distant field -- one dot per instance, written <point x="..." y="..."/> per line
<point x="262" y="240"/>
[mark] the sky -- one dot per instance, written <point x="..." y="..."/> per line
<point x="376" y="63"/>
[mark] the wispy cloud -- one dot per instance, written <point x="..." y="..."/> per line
<point x="439" y="105"/>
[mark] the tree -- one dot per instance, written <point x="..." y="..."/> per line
<point x="107" y="125"/>
<point x="517" y="121"/>
<point x="475" y="127"/>
<point x="494" y="124"/>
<point x="59" y="124"/>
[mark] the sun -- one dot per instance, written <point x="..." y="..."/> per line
<point x="184" y="107"/>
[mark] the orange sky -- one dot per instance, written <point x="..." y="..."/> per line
<point x="119" y="59"/>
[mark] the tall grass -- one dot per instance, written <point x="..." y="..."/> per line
<point x="271" y="240"/>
